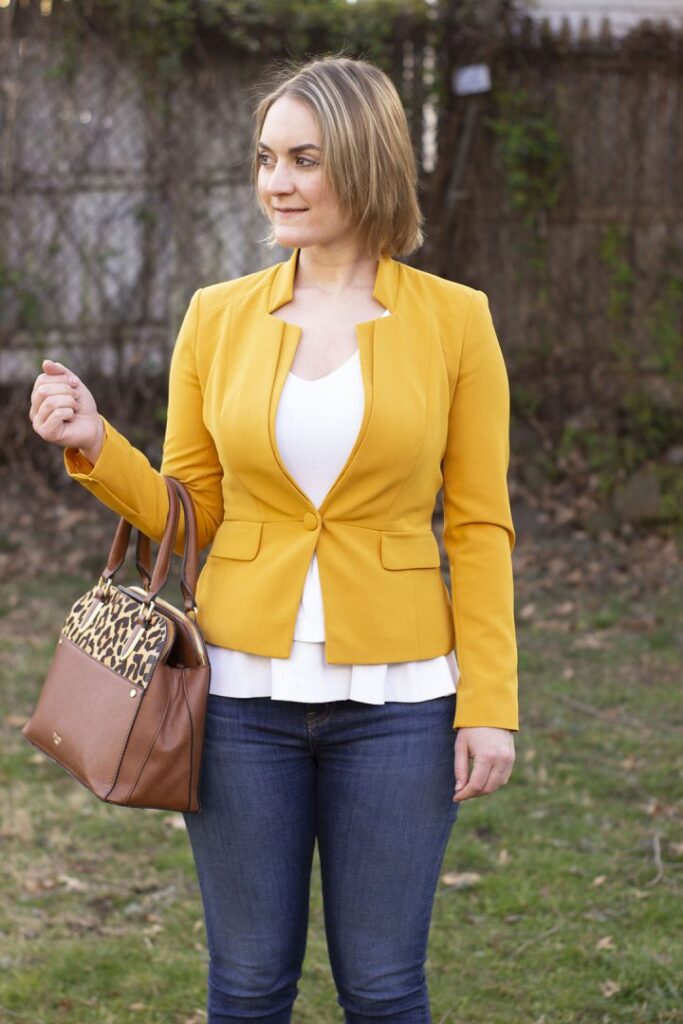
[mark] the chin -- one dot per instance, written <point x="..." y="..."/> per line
<point x="291" y="237"/>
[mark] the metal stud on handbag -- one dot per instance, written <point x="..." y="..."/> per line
<point x="123" y="705"/>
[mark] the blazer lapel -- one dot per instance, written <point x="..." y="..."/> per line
<point x="285" y="337"/>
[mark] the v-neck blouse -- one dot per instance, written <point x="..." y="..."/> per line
<point x="317" y="423"/>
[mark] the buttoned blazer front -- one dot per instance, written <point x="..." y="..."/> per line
<point x="436" y="415"/>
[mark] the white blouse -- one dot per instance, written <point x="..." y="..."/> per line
<point x="314" y="458"/>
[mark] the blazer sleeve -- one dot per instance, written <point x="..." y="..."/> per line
<point x="479" y="534"/>
<point x="123" y="478"/>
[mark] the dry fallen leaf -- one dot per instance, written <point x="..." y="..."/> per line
<point x="609" y="988"/>
<point x="605" y="942"/>
<point x="599" y="879"/>
<point x="655" y="808"/>
<point x="153" y="929"/>
<point x="18" y="720"/>
<point x="590" y="641"/>
<point x="174" y="821"/>
<point x="629" y="763"/>
<point x="34" y="883"/>
<point x="73" y="884"/>
<point x="461" y="879"/>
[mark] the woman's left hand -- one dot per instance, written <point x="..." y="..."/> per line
<point x="493" y="751"/>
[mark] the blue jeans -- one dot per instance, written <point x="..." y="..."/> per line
<point x="374" y="785"/>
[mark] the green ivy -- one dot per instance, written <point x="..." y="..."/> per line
<point x="655" y="423"/>
<point x="613" y="251"/>
<point x="532" y="154"/>
<point x="163" y="34"/>
<point x="533" y="160"/>
<point x="644" y="423"/>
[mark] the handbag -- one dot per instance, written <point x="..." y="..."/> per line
<point x="123" y="705"/>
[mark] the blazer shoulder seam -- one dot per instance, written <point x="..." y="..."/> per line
<point x="442" y="290"/>
<point x="238" y="288"/>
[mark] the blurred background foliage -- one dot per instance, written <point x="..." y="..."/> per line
<point x="124" y="185"/>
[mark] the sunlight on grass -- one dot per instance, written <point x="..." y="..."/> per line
<point x="568" y="877"/>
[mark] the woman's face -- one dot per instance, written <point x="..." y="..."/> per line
<point x="291" y="181"/>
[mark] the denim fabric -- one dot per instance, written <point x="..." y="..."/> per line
<point x="373" y="783"/>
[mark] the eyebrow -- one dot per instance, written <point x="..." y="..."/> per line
<point x="292" y="149"/>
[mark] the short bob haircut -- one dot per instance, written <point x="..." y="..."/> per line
<point x="367" y="154"/>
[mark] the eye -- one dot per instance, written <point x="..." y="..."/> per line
<point x="302" y="161"/>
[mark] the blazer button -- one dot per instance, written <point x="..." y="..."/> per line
<point x="311" y="521"/>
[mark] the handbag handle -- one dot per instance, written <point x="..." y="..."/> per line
<point x="177" y="495"/>
<point x="190" y="564"/>
<point x="119" y="547"/>
<point x="143" y="558"/>
<point x="143" y="550"/>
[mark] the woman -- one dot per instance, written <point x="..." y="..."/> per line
<point x="316" y="408"/>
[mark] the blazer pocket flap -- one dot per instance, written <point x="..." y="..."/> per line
<point x="409" y="550"/>
<point x="236" y="538"/>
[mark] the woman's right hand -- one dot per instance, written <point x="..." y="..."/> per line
<point x="64" y="412"/>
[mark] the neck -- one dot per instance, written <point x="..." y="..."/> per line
<point x="335" y="269"/>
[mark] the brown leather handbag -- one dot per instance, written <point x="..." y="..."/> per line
<point x="123" y="705"/>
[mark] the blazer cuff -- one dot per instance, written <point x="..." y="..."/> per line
<point x="80" y="468"/>
<point x="109" y="479"/>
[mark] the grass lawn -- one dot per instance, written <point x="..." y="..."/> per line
<point x="560" y="899"/>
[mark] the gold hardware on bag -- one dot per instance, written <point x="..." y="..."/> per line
<point x="56" y="738"/>
<point x="92" y="613"/>
<point x="103" y="588"/>
<point x="133" y="693"/>
<point x="147" y="613"/>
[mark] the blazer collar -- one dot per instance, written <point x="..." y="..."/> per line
<point x="385" y="288"/>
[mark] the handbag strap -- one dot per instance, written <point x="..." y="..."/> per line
<point x="190" y="566"/>
<point x="156" y="581"/>
<point x="143" y="558"/>
<point x="167" y="546"/>
<point x="188" y="571"/>
<point x="119" y="547"/>
<point x="143" y="550"/>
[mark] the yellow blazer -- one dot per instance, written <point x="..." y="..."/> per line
<point x="436" y="414"/>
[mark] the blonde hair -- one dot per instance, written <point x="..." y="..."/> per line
<point x="367" y="153"/>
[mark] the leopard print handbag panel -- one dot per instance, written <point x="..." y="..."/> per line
<point x="107" y="631"/>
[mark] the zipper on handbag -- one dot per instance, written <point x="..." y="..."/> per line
<point x="192" y="627"/>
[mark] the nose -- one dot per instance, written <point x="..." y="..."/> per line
<point x="279" y="180"/>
